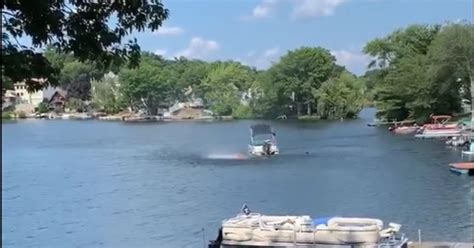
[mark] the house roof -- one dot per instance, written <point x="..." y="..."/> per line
<point x="59" y="92"/>
<point x="10" y="93"/>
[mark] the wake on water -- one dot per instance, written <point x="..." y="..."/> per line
<point x="228" y="156"/>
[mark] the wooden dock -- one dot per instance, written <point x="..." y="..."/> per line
<point x="440" y="245"/>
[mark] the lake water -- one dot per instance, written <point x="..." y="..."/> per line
<point x="113" y="184"/>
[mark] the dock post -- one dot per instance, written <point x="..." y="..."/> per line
<point x="419" y="236"/>
<point x="203" y="238"/>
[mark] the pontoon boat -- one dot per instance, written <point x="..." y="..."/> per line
<point x="262" y="140"/>
<point x="255" y="230"/>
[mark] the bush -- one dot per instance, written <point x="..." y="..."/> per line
<point x="43" y="108"/>
<point x="242" y="112"/>
<point x="21" y="115"/>
<point x="7" y="115"/>
<point x="75" y="104"/>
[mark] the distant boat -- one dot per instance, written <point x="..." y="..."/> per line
<point x="249" y="229"/>
<point x="262" y="141"/>
<point x="462" y="168"/>
<point x="404" y="127"/>
<point x="140" y="119"/>
<point x="457" y="141"/>
<point x="440" y="125"/>
<point x="470" y="151"/>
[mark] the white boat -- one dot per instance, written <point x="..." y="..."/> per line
<point x="256" y="230"/>
<point x="470" y="151"/>
<point x="262" y="141"/>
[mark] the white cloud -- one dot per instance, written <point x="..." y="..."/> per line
<point x="172" y="30"/>
<point x="161" y="52"/>
<point x="199" y="48"/>
<point x="262" y="10"/>
<point x="262" y="60"/>
<point x="356" y="62"/>
<point x="314" y="8"/>
<point x="271" y="53"/>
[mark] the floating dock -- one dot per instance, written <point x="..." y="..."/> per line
<point x="440" y="245"/>
<point x="467" y="134"/>
<point x="437" y="135"/>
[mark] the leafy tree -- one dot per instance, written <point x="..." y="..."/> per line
<point x="70" y="69"/>
<point x="265" y="102"/>
<point x="452" y="59"/>
<point x="80" y="27"/>
<point x="75" y="104"/>
<point x="423" y="70"/>
<point x="413" y="40"/>
<point x="80" y="88"/>
<point x="223" y="86"/>
<point x="341" y="97"/>
<point x="105" y="94"/>
<point x="145" y="87"/>
<point x="301" y="71"/>
<point x="43" y="107"/>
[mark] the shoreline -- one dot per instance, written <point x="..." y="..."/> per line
<point x="130" y="118"/>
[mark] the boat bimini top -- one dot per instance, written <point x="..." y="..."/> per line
<point x="262" y="130"/>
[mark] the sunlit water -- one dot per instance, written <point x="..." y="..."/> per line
<point x="113" y="184"/>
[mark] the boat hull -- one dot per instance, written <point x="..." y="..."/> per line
<point x="466" y="168"/>
<point x="405" y="130"/>
<point x="259" y="151"/>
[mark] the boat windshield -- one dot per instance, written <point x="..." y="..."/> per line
<point x="262" y="139"/>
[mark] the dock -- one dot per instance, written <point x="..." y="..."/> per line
<point x="440" y="245"/>
<point x="467" y="134"/>
<point x="437" y="135"/>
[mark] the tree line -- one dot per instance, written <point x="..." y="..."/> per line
<point x="422" y="70"/>
<point x="305" y="81"/>
<point x="417" y="71"/>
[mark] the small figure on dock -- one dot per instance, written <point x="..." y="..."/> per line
<point x="246" y="209"/>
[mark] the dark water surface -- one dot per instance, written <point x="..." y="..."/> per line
<point x="112" y="184"/>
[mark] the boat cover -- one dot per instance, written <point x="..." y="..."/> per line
<point x="259" y="129"/>
<point x="319" y="221"/>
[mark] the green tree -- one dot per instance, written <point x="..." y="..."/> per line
<point x="413" y="40"/>
<point x="145" y="87"/>
<point x="299" y="72"/>
<point x="80" y="27"/>
<point x="340" y="97"/>
<point x="419" y="70"/>
<point x="223" y="86"/>
<point x="105" y="94"/>
<point x="43" y="107"/>
<point x="452" y="59"/>
<point x="76" y="104"/>
<point x="265" y="102"/>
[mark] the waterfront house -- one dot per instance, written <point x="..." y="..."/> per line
<point x="57" y="101"/>
<point x="23" y="96"/>
<point x="9" y="99"/>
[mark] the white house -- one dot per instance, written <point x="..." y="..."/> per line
<point x="33" y="98"/>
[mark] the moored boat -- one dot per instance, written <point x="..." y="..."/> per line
<point x="256" y="230"/>
<point x="405" y="129"/>
<point x="440" y="125"/>
<point x="457" y="141"/>
<point x="462" y="168"/>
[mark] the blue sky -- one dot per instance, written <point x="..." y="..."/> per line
<point x="258" y="32"/>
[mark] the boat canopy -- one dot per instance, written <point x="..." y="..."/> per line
<point x="440" y="118"/>
<point x="260" y="129"/>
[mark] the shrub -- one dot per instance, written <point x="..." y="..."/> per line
<point x="242" y="112"/>
<point x="7" y="115"/>
<point x="43" y="108"/>
<point x="21" y="115"/>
